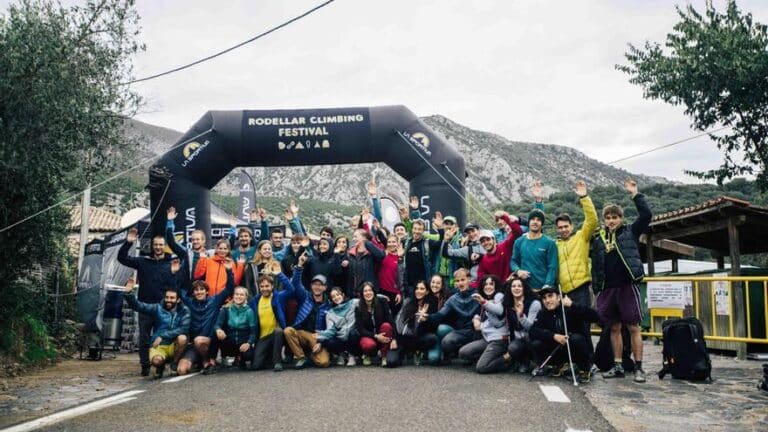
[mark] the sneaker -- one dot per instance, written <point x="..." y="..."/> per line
<point x="300" y="363"/>
<point x="383" y="362"/>
<point x="278" y="367"/>
<point x="584" y="377"/>
<point x="367" y="360"/>
<point x="617" y="371"/>
<point x="523" y="368"/>
<point x="351" y="361"/>
<point x="418" y="359"/>
<point x="339" y="360"/>
<point x="158" y="372"/>
<point x="639" y="376"/>
<point x="560" y="371"/>
<point x="144" y="370"/>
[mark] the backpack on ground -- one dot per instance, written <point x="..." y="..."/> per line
<point x="685" y="351"/>
<point x="603" y="357"/>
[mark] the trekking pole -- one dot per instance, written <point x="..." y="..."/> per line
<point x="537" y="371"/>
<point x="567" y="338"/>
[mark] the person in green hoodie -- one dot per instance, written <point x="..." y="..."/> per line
<point x="236" y="329"/>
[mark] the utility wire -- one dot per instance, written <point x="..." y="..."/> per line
<point x="668" y="145"/>
<point x="400" y="134"/>
<point x="232" y="48"/>
<point x="97" y="185"/>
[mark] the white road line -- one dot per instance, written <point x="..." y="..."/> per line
<point x="177" y="379"/>
<point x="553" y="393"/>
<point x="74" y="412"/>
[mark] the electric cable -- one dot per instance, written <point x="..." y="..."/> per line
<point x="232" y="48"/>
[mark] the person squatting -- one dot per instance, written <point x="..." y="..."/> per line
<point x="498" y="298"/>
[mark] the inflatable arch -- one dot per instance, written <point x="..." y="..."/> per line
<point x="223" y="140"/>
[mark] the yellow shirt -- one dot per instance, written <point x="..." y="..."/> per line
<point x="267" y="319"/>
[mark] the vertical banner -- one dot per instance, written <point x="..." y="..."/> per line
<point x="90" y="296"/>
<point x="247" y="195"/>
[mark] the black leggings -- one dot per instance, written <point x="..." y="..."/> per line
<point x="520" y="350"/>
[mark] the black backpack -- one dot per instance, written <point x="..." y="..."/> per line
<point x="685" y="351"/>
<point x="603" y="357"/>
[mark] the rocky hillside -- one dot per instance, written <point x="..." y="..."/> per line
<point x="500" y="170"/>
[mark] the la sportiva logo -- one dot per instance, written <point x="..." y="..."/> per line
<point x="420" y="140"/>
<point x="191" y="150"/>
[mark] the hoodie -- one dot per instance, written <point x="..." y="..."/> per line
<point x="461" y="306"/>
<point x="339" y="321"/>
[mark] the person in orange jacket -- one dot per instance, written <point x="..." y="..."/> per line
<point x="212" y="270"/>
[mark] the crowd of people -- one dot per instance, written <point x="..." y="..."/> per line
<point x="498" y="298"/>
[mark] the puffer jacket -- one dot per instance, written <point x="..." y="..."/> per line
<point x="214" y="273"/>
<point x="168" y="323"/>
<point x="626" y="243"/>
<point x="573" y="252"/>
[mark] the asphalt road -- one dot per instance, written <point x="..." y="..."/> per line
<point x="347" y="399"/>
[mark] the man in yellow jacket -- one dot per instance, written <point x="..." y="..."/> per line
<point x="573" y="250"/>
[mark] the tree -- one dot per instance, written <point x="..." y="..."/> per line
<point x="716" y="66"/>
<point x="61" y="115"/>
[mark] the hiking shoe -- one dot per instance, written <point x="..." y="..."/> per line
<point x="339" y="360"/>
<point x="278" y="367"/>
<point x="617" y="371"/>
<point x="559" y="371"/>
<point x="418" y="359"/>
<point x="158" y="372"/>
<point x="144" y="370"/>
<point x="639" y="376"/>
<point x="584" y="377"/>
<point x="300" y="363"/>
<point x="351" y="361"/>
<point x="367" y="360"/>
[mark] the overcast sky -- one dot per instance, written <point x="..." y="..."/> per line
<point x="529" y="71"/>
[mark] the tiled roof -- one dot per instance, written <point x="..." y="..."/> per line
<point x="716" y="202"/>
<point x="99" y="220"/>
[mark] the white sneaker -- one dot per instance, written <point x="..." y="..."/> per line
<point x="351" y="361"/>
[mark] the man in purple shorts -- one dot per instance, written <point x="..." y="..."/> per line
<point x="616" y="271"/>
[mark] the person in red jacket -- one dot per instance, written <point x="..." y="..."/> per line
<point x="497" y="256"/>
<point x="389" y="276"/>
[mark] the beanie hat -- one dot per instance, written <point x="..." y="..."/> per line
<point x="536" y="213"/>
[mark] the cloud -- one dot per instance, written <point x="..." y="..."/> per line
<point x="524" y="70"/>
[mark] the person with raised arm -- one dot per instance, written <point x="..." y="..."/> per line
<point x="313" y="306"/>
<point x="204" y="310"/>
<point x="534" y="254"/>
<point x="171" y="325"/>
<point x="616" y="273"/>
<point x="154" y="276"/>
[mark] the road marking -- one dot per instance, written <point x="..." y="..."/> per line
<point x="180" y="378"/>
<point x="553" y="393"/>
<point x="74" y="412"/>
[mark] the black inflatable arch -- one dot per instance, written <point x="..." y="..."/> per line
<point x="223" y="140"/>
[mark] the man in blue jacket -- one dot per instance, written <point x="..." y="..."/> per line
<point x="171" y="326"/>
<point x="310" y="319"/>
<point x="154" y="276"/>
<point x="463" y="308"/>
<point x="204" y="311"/>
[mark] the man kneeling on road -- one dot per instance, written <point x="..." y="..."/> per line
<point x="302" y="335"/>
<point x="171" y="323"/>
<point x="548" y="332"/>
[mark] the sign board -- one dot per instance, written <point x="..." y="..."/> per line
<point x="722" y="298"/>
<point x="669" y="295"/>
